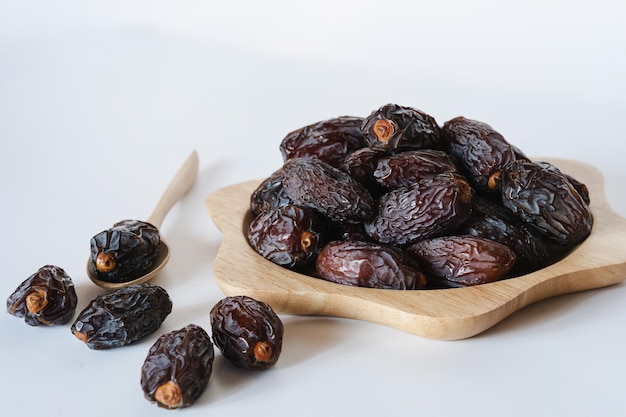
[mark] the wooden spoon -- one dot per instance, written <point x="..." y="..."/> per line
<point x="178" y="187"/>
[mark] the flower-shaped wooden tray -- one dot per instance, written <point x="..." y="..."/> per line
<point x="445" y="314"/>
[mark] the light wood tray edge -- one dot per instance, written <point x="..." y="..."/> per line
<point x="438" y="314"/>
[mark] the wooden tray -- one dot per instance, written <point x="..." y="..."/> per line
<point x="445" y="314"/>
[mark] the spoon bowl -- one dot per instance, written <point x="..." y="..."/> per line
<point x="178" y="187"/>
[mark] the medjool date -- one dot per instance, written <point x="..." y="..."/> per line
<point x="393" y="127"/>
<point x="431" y="207"/>
<point x="122" y="316"/>
<point x="313" y="183"/>
<point x="541" y="195"/>
<point x="247" y="331"/>
<point x="46" y="297"/>
<point x="330" y="140"/>
<point x="289" y="236"/>
<point x="462" y="260"/>
<point x="361" y="165"/>
<point x="366" y="264"/>
<point x="178" y="367"/>
<point x="269" y="194"/>
<point x="493" y="221"/>
<point x="481" y="150"/>
<point x="125" y="251"/>
<point x="407" y="168"/>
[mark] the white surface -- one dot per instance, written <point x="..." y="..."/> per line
<point x="101" y="101"/>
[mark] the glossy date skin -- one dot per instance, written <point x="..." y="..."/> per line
<point x="247" y="331"/>
<point x="178" y="367"/>
<point x="407" y="168"/>
<point x="289" y="236"/>
<point x="47" y="297"/>
<point x="480" y="150"/>
<point x="542" y="196"/>
<point x="432" y="207"/>
<point x="123" y="316"/>
<point x="493" y="221"/>
<point x="393" y="127"/>
<point x="270" y="194"/>
<point x="458" y="261"/>
<point x="412" y="180"/>
<point x="366" y="264"/>
<point x="125" y="251"/>
<point x="361" y="166"/>
<point x="329" y="140"/>
<point x="312" y="183"/>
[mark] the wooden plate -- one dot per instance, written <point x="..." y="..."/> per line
<point x="445" y="314"/>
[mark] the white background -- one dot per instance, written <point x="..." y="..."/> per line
<point x="100" y="102"/>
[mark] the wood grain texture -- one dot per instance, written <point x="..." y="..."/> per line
<point x="446" y="314"/>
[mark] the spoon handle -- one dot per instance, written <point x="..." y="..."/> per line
<point x="177" y="188"/>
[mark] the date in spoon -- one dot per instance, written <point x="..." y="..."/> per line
<point x="178" y="187"/>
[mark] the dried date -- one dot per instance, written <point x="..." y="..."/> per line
<point x="269" y="194"/>
<point x="330" y="140"/>
<point x="47" y="297"/>
<point x="493" y="221"/>
<point x="431" y="207"/>
<point x="453" y="261"/>
<point x="289" y="236"/>
<point x="178" y="367"/>
<point x="247" y="331"/>
<point x="125" y="251"/>
<point x="123" y="316"/>
<point x="313" y="183"/>
<point x="361" y="166"/>
<point x="580" y="188"/>
<point x="541" y="195"/>
<point x="407" y="168"/>
<point x="393" y="127"/>
<point x="480" y="150"/>
<point x="366" y="264"/>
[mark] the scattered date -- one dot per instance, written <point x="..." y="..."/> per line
<point x="125" y="251"/>
<point x="178" y="367"/>
<point x="123" y="316"/>
<point x="47" y="297"/>
<point x="247" y="331"/>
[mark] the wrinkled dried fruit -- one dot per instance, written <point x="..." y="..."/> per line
<point x="481" y="151"/>
<point x="125" y="251"/>
<point x="581" y="188"/>
<point x="393" y="127"/>
<point x="462" y="260"/>
<point x="122" y="316"/>
<point x="404" y="180"/>
<point x="270" y="194"/>
<point x="495" y="222"/>
<point x="431" y="207"/>
<point x="289" y="236"/>
<point x="407" y="168"/>
<point x="247" y="331"/>
<point x="330" y="140"/>
<point x="366" y="264"/>
<point x="46" y="297"/>
<point x="361" y="165"/>
<point x="541" y="195"/>
<point x="314" y="184"/>
<point x="178" y="367"/>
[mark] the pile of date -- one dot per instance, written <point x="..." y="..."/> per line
<point x="396" y="201"/>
